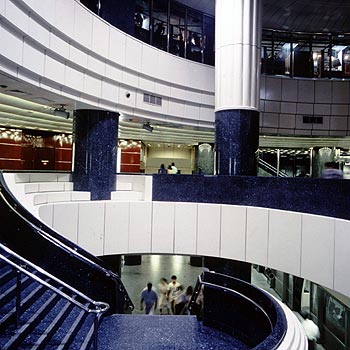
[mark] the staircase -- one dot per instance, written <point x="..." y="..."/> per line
<point x="270" y="169"/>
<point x="38" y="311"/>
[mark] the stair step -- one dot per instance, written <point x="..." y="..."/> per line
<point x="10" y="317"/>
<point x="6" y="274"/>
<point x="72" y="332"/>
<point x="28" y="327"/>
<point x="10" y="293"/>
<point x="53" y="327"/>
<point x="86" y="344"/>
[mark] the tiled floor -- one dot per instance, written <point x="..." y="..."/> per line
<point x="154" y="267"/>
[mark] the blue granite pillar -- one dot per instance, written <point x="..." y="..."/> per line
<point x="95" y="152"/>
<point x="236" y="141"/>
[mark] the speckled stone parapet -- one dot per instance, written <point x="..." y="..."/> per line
<point x="236" y="141"/>
<point x="95" y="152"/>
<point x="306" y="195"/>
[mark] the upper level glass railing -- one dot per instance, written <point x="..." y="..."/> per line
<point x="309" y="55"/>
<point x="185" y="32"/>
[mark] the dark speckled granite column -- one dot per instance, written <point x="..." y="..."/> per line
<point x="236" y="141"/>
<point x="95" y="152"/>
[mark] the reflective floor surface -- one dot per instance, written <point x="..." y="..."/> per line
<point x="154" y="267"/>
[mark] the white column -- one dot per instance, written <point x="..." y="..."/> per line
<point x="237" y="57"/>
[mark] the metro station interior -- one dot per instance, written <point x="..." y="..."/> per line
<point x="249" y="99"/>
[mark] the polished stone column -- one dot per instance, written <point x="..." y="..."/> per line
<point x="95" y="152"/>
<point x="237" y="84"/>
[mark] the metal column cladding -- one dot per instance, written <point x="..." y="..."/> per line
<point x="237" y="80"/>
<point x="237" y="58"/>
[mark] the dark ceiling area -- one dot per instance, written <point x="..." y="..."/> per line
<point x="295" y="15"/>
<point x="307" y="15"/>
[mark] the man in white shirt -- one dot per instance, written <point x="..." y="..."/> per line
<point x="173" y="292"/>
<point x="173" y="168"/>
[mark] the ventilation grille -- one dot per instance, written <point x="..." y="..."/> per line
<point x="308" y="119"/>
<point x="152" y="99"/>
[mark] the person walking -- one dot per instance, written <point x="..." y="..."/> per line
<point x="163" y="289"/>
<point x="173" y="292"/>
<point x="149" y="298"/>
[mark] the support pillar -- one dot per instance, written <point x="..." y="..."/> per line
<point x="95" y="152"/>
<point x="237" y="85"/>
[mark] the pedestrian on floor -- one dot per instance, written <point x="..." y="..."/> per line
<point x="172" y="292"/>
<point x="149" y="298"/>
<point x="163" y="302"/>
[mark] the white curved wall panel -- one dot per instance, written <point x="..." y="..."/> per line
<point x="257" y="228"/>
<point x="284" y="241"/>
<point x="61" y="46"/>
<point x="90" y="226"/>
<point x="310" y="246"/>
<point x="285" y="101"/>
<point x="233" y="232"/>
<point x="341" y="255"/>
<point x="163" y="227"/>
<point x="185" y="236"/>
<point x="116" y="224"/>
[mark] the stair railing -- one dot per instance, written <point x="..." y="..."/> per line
<point x="271" y="168"/>
<point x="97" y="308"/>
<point x="218" y="290"/>
<point x="112" y="287"/>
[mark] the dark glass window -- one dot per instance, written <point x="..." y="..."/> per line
<point x="177" y="29"/>
<point x="335" y="317"/>
<point x="194" y="38"/>
<point x="160" y="24"/>
<point x="142" y="20"/>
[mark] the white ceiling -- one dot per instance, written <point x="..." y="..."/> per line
<point x="23" y="106"/>
<point x="28" y="107"/>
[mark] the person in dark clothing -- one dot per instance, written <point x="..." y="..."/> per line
<point x="149" y="298"/>
<point x="162" y="169"/>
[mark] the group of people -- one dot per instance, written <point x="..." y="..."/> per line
<point x="172" y="169"/>
<point x="171" y="298"/>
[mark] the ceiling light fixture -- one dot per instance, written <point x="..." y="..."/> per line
<point x="147" y="127"/>
<point x="61" y="112"/>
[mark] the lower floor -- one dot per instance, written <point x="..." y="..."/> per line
<point x="155" y="267"/>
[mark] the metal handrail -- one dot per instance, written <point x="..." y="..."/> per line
<point x="201" y="283"/>
<point x="49" y="237"/>
<point x="101" y="307"/>
<point x="232" y="291"/>
<point x="57" y="242"/>
<point x="272" y="168"/>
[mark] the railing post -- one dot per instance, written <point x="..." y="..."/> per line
<point x="18" y="296"/>
<point x="95" y="331"/>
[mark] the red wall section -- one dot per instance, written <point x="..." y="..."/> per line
<point x="130" y="161"/>
<point x="34" y="150"/>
